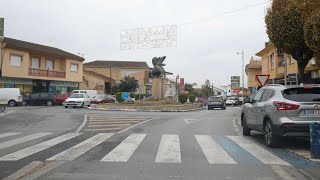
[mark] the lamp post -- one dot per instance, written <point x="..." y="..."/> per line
<point x="242" y="69"/>
<point x="110" y="81"/>
<point x="177" y="90"/>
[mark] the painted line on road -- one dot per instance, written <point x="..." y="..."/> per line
<point x="7" y="112"/>
<point x="22" y="140"/>
<point x="115" y="122"/>
<point x="85" y="119"/>
<point x="38" y="147"/>
<point x="47" y="166"/>
<point x="106" y="125"/>
<point x="169" y="149"/>
<point x="3" y="135"/>
<point x="214" y="153"/>
<point x="260" y="153"/>
<point x="130" y="127"/>
<point x="79" y="149"/>
<point x="25" y="170"/>
<point x="125" y="149"/>
<point x="103" y="129"/>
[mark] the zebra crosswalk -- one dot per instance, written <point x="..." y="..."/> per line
<point x="168" y="148"/>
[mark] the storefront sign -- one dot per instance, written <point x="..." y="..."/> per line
<point x="63" y="83"/>
<point x="15" y="81"/>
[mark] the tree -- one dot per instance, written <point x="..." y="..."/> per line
<point x="128" y="84"/>
<point x="206" y="90"/>
<point x="188" y="87"/>
<point x="285" y="21"/>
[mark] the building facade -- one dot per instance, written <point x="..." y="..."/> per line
<point x="252" y="70"/>
<point x="38" y="68"/>
<point x="117" y="70"/>
<point x="272" y="63"/>
<point x="171" y="88"/>
<point x="95" y="81"/>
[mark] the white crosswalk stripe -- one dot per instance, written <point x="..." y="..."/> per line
<point x="169" y="149"/>
<point x="124" y="150"/>
<point x="3" y="135"/>
<point x="81" y="148"/>
<point x="214" y="153"/>
<point x="260" y="153"/>
<point x="38" y="147"/>
<point x="22" y="140"/>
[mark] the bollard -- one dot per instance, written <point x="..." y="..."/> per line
<point x="315" y="140"/>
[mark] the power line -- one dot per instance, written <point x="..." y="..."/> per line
<point x="202" y="20"/>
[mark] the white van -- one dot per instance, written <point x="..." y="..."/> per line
<point x="11" y="96"/>
<point x="90" y="93"/>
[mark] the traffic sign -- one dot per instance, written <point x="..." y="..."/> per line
<point x="1" y="27"/>
<point x="124" y="95"/>
<point x="262" y="78"/>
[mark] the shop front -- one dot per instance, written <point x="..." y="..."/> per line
<point x="62" y="87"/>
<point x="26" y="85"/>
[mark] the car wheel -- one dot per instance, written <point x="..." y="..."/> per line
<point x="11" y="103"/>
<point x="24" y="103"/>
<point x="271" y="139"/>
<point x="245" y="129"/>
<point x="49" y="103"/>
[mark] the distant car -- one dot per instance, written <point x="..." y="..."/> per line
<point x="103" y="99"/>
<point x="232" y="101"/>
<point x="278" y="110"/>
<point x="12" y="96"/>
<point x="42" y="98"/>
<point x="60" y="98"/>
<point x="216" y="102"/>
<point x="90" y="93"/>
<point x="130" y="100"/>
<point x="77" y="100"/>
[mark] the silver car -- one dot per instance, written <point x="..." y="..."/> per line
<point x="278" y="110"/>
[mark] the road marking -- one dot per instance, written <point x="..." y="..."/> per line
<point x="124" y="150"/>
<point x="25" y="170"/>
<point x="79" y="149"/>
<point x="104" y="129"/>
<point x="138" y="124"/>
<point x="85" y="119"/>
<point x="3" y="135"/>
<point x="47" y="166"/>
<point x="7" y="112"/>
<point x="22" y="140"/>
<point x="260" y="153"/>
<point x="282" y="173"/>
<point x="169" y="149"/>
<point x="189" y="121"/>
<point x="107" y="125"/>
<point x="38" y="147"/>
<point x="110" y="122"/>
<point x="214" y="153"/>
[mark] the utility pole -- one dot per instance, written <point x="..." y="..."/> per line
<point x="110" y="81"/>
<point x="242" y="69"/>
<point x="285" y="69"/>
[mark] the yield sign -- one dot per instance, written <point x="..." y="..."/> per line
<point x="262" y="78"/>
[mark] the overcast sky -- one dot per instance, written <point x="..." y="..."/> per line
<point x="92" y="27"/>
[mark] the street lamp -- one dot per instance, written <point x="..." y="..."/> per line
<point x="177" y="90"/>
<point x="242" y="68"/>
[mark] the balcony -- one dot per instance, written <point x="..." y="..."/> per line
<point x="46" y="73"/>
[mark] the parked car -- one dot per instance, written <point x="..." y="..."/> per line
<point x="90" y="93"/>
<point x="232" y="101"/>
<point x="281" y="111"/>
<point x="130" y="100"/>
<point x="41" y="98"/>
<point x="105" y="98"/>
<point x="216" y="102"/>
<point x="77" y="100"/>
<point x="60" y="98"/>
<point x="12" y="96"/>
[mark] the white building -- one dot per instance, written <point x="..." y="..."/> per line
<point x="170" y="88"/>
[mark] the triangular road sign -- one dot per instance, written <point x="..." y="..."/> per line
<point x="263" y="78"/>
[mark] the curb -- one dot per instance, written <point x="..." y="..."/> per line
<point x="138" y="110"/>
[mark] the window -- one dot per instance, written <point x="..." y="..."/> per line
<point x="257" y="97"/>
<point x="302" y="94"/>
<point x="268" y="93"/>
<point x="15" y="60"/>
<point x="74" y="68"/>
<point x="49" y="64"/>
<point x="35" y="63"/>
<point x="44" y="95"/>
<point x="272" y="61"/>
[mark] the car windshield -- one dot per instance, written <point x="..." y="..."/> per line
<point x="302" y="94"/>
<point x="76" y="96"/>
<point x="99" y="96"/>
<point x="230" y="98"/>
<point x="214" y="99"/>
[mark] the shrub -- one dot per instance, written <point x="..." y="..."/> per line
<point x="141" y="96"/>
<point x="192" y="98"/>
<point x="118" y="97"/>
<point x="131" y="95"/>
<point x="183" y="98"/>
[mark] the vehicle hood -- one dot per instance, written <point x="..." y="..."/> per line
<point x="74" y="99"/>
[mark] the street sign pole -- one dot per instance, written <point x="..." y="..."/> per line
<point x="1" y="39"/>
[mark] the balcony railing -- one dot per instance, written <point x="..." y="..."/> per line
<point x="46" y="73"/>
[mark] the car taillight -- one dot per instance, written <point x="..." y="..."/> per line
<point x="285" y="106"/>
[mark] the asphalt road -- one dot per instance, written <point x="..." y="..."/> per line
<point x="59" y="143"/>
